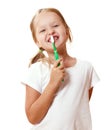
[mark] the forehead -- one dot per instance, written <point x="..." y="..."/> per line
<point x="48" y="17"/>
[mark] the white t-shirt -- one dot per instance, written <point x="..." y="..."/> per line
<point x="70" y="107"/>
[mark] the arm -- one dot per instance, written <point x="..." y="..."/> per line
<point x="37" y="105"/>
<point x="90" y="92"/>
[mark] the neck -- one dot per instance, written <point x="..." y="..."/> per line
<point x="62" y="54"/>
<point x="67" y="59"/>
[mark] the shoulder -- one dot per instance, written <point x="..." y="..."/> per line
<point x="39" y="65"/>
<point x="35" y="65"/>
<point x="85" y="64"/>
<point x="39" y="68"/>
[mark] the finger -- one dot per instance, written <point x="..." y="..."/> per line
<point x="61" y="67"/>
<point x="61" y="62"/>
<point x="57" y="62"/>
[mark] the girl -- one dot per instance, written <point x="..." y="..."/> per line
<point x="53" y="104"/>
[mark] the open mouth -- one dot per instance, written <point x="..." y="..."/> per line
<point x="55" y="39"/>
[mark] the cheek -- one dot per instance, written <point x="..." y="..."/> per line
<point x="63" y="31"/>
<point x="65" y="34"/>
<point x="39" y="37"/>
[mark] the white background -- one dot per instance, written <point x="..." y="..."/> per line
<point x="90" y="22"/>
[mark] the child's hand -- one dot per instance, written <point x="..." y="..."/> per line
<point x="57" y="73"/>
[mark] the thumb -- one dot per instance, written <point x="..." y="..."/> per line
<point x="57" y="62"/>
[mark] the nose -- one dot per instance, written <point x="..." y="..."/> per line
<point x="50" y="31"/>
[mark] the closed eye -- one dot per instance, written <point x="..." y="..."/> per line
<point x="56" y="25"/>
<point x="43" y="30"/>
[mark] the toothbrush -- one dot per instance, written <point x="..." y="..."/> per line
<point x="56" y="55"/>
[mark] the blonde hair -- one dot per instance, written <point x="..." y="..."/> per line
<point x="33" y="23"/>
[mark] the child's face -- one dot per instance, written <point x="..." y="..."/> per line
<point x="49" y="23"/>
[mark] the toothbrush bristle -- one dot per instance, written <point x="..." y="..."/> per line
<point x="52" y="39"/>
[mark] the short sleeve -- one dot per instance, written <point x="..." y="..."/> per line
<point x="95" y="77"/>
<point x="33" y="77"/>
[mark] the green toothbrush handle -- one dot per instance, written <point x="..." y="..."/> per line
<point x="56" y="56"/>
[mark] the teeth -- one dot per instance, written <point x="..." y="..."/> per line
<point x="56" y="38"/>
<point x="52" y="39"/>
